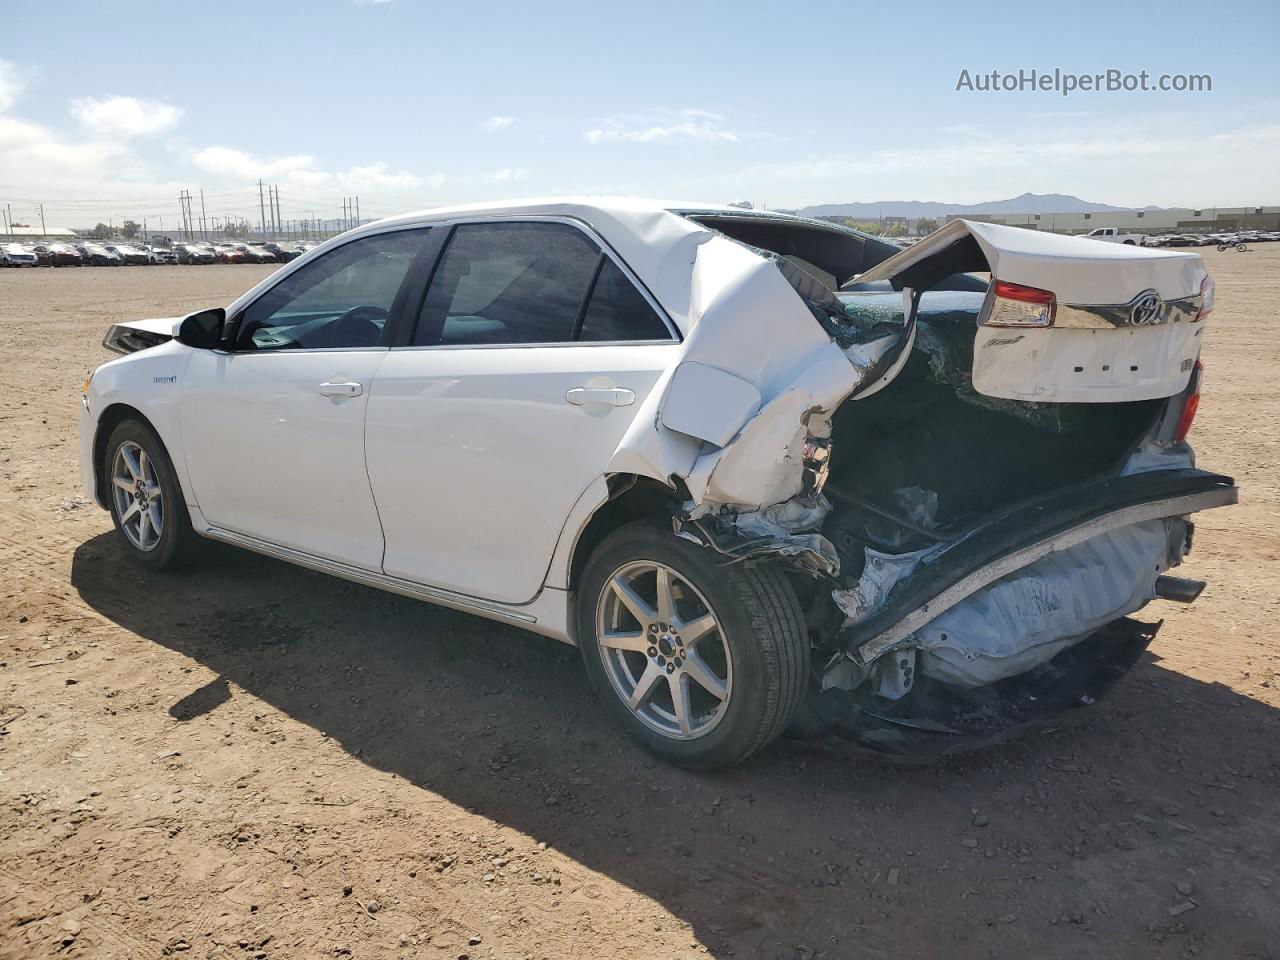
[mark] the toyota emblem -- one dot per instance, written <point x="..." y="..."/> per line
<point x="1146" y="309"/>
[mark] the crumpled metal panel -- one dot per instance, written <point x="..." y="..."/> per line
<point x="1025" y="619"/>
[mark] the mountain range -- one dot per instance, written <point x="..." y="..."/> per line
<point x="1026" y="203"/>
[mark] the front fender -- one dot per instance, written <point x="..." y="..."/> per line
<point x="149" y="382"/>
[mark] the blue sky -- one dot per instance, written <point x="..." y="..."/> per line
<point x="109" y="109"/>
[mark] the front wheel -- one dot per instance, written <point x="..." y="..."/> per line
<point x="702" y="662"/>
<point x="1241" y="248"/>
<point x="147" y="505"/>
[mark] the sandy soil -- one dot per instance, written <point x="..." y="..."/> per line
<point x="250" y="760"/>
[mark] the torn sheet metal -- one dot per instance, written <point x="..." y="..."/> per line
<point x="880" y="574"/>
<point x="785" y="530"/>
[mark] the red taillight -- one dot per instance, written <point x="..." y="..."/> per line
<point x="1206" y="297"/>
<point x="1017" y="306"/>
<point x="1190" y="405"/>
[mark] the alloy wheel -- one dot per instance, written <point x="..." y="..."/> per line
<point x="139" y="500"/>
<point x="664" y="650"/>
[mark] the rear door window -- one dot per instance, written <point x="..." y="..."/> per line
<point x="508" y="283"/>
<point x="618" y="311"/>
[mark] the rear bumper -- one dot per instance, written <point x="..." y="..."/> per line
<point x="972" y="559"/>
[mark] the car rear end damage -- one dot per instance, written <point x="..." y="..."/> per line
<point x="977" y="484"/>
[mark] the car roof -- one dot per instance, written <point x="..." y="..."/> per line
<point x="617" y="206"/>
<point x="649" y="236"/>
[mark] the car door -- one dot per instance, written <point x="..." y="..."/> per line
<point x="273" y="429"/>
<point x="533" y="350"/>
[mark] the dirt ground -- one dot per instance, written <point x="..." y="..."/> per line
<point x="251" y="760"/>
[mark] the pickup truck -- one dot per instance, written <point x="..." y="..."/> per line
<point x="1113" y="235"/>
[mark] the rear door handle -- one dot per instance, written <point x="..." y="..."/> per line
<point x="341" y="388"/>
<point x="614" y="396"/>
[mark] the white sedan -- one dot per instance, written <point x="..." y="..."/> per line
<point x="767" y="473"/>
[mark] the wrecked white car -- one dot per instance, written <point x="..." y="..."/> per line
<point x="768" y="473"/>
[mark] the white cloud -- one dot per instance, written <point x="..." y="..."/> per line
<point x="74" y="178"/>
<point x="11" y="84"/>
<point x="30" y="147"/>
<point x="494" y="124"/>
<point x="124" y="116"/>
<point x="239" y="165"/>
<point x="505" y="175"/>
<point x="303" y="170"/>
<point x="663" y="127"/>
<point x="376" y="176"/>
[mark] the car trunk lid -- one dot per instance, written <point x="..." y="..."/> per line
<point x="1066" y="319"/>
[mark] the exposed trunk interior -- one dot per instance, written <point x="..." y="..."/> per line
<point x="927" y="456"/>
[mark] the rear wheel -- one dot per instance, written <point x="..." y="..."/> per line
<point x="147" y="505"/>
<point x="702" y="662"/>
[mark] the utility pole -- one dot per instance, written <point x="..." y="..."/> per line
<point x="262" y="210"/>
<point x="279" y="217"/>
<point x="43" y="229"/>
<point x="357" y="211"/>
<point x="204" y="233"/>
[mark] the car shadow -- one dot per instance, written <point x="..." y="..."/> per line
<point x="789" y="856"/>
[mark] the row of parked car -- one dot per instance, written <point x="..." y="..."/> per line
<point x="241" y="252"/>
<point x="92" y="253"/>
<point x="1212" y="239"/>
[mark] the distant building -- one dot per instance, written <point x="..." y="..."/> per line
<point x="1171" y="220"/>
<point x="35" y="233"/>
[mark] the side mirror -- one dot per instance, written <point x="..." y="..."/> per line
<point x="203" y="330"/>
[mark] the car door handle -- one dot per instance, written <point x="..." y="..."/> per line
<point x="341" y="388"/>
<point x="614" y="396"/>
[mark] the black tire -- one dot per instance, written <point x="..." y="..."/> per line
<point x="1241" y="248"/>
<point x="178" y="543"/>
<point x="761" y="626"/>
